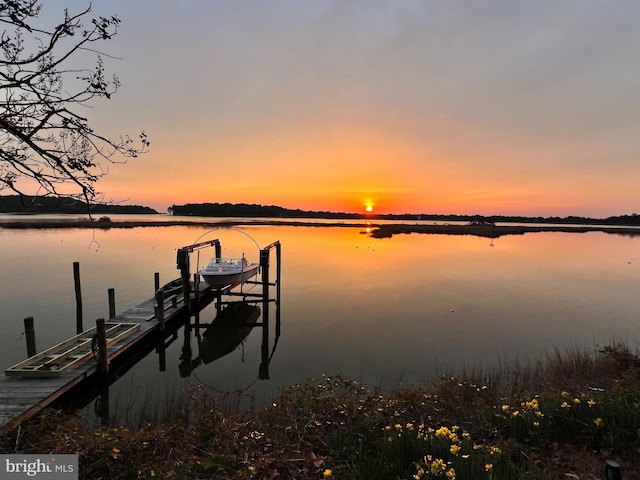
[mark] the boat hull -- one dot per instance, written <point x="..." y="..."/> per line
<point x="222" y="274"/>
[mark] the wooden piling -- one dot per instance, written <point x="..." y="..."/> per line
<point x="263" y="371"/>
<point x="30" y="333"/>
<point x="278" y="274"/>
<point x="183" y="265"/>
<point x="102" y="346"/>
<point x="156" y="281"/>
<point x="112" y="303"/>
<point x="160" y="307"/>
<point x="76" y="282"/>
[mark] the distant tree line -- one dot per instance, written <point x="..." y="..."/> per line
<point x="33" y="205"/>
<point x="252" y="211"/>
<point x="272" y="211"/>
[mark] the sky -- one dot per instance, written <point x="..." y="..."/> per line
<point x="483" y="107"/>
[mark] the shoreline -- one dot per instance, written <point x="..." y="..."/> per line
<point x="376" y="230"/>
<point x="387" y="231"/>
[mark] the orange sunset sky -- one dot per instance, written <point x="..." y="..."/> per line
<point x="449" y="107"/>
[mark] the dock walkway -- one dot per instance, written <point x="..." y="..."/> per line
<point x="36" y="384"/>
<point x="44" y="378"/>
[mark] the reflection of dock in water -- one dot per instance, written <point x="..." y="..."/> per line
<point x="76" y="371"/>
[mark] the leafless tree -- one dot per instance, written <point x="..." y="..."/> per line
<point x="47" y="147"/>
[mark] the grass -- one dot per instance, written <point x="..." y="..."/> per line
<point x="560" y="418"/>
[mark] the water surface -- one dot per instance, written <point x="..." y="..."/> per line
<point x="381" y="311"/>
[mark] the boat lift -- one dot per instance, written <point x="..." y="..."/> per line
<point x="194" y="290"/>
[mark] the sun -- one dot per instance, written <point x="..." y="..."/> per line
<point x="369" y="208"/>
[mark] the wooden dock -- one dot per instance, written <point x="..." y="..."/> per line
<point x="27" y="388"/>
<point x="97" y="356"/>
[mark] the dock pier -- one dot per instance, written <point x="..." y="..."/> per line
<point x="86" y="364"/>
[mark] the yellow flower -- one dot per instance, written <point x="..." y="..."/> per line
<point x="565" y="405"/>
<point x="591" y="403"/>
<point x="419" y="474"/>
<point x="488" y="467"/>
<point x="409" y="426"/>
<point x="505" y="408"/>
<point x="576" y="401"/>
<point x="451" y="474"/>
<point x="454" y="449"/>
<point x="598" y="422"/>
<point x="536" y="424"/>
<point x="443" y="432"/>
<point x="438" y="466"/>
<point x="565" y="394"/>
<point x="515" y="413"/>
<point x="327" y="473"/>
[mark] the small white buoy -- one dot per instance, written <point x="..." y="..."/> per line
<point x="452" y="310"/>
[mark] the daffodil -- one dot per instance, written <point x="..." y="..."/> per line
<point x="438" y="466"/>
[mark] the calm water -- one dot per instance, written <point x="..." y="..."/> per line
<point x="381" y="311"/>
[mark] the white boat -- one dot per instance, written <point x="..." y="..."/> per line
<point x="222" y="272"/>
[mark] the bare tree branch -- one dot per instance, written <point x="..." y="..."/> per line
<point x="45" y="144"/>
